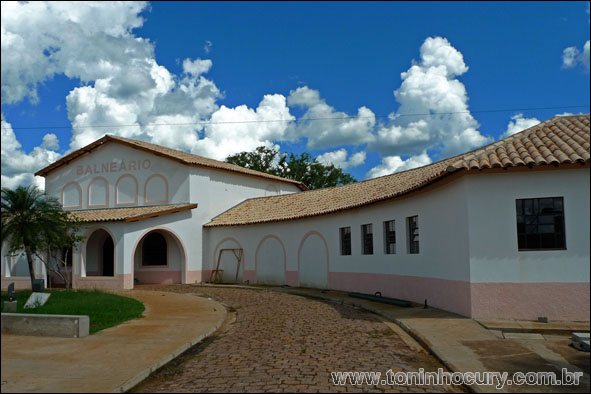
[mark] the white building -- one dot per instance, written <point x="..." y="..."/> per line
<point x="498" y="232"/>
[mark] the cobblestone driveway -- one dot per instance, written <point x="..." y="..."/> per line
<point x="281" y="342"/>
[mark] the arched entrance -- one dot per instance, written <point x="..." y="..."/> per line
<point x="270" y="261"/>
<point x="313" y="261"/>
<point x="100" y="254"/>
<point x="158" y="258"/>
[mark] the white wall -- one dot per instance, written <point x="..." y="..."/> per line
<point x="111" y="162"/>
<point x="443" y="234"/>
<point x="493" y="226"/>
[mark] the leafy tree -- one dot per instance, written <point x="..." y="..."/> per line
<point x="36" y="223"/>
<point x="300" y="167"/>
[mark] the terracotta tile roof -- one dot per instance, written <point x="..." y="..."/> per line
<point x="180" y="156"/>
<point x="560" y="140"/>
<point x="128" y="214"/>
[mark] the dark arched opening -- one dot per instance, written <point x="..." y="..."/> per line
<point x="154" y="250"/>
<point x="108" y="257"/>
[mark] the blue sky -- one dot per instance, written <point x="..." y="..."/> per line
<point x="222" y="63"/>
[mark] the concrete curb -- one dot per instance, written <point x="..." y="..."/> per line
<point x="140" y="377"/>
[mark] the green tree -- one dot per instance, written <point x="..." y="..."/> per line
<point x="36" y="223"/>
<point x="300" y="167"/>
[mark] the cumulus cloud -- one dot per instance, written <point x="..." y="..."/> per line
<point x="519" y="123"/>
<point x="572" y="57"/>
<point x="328" y="131"/>
<point x="338" y="158"/>
<point x="233" y="130"/>
<point x="17" y="166"/>
<point x="122" y="84"/>
<point x="392" y="164"/>
<point x="429" y="86"/>
<point x="40" y="39"/>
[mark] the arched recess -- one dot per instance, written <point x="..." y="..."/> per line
<point x="159" y="256"/>
<point x="98" y="193"/>
<point x="72" y="195"/>
<point x="230" y="255"/>
<point x="126" y="190"/>
<point x="156" y="190"/>
<point x="270" y="261"/>
<point x="313" y="261"/>
<point x="99" y="259"/>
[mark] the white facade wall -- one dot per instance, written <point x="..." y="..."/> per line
<point x="510" y="283"/>
<point x="115" y="162"/>
<point x="443" y="260"/>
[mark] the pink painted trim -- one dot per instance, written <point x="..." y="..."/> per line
<point x="136" y="191"/>
<point x="215" y="252"/>
<point x="197" y="276"/>
<point x="20" y="282"/>
<point x="98" y="178"/>
<point x="528" y="301"/>
<point x="79" y="206"/>
<point x="118" y="282"/>
<point x="292" y="278"/>
<point x="185" y="262"/>
<point x="450" y="295"/>
<point x="146" y="188"/>
<point x="87" y="235"/>
<point x="159" y="277"/>
<point x="314" y="232"/>
<point x="250" y="276"/>
<point x="256" y="253"/>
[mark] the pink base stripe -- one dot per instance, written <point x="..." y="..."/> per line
<point x="20" y="282"/>
<point x="118" y="282"/>
<point x="292" y="278"/>
<point x="450" y="295"/>
<point x="158" y="277"/>
<point x="528" y="301"/>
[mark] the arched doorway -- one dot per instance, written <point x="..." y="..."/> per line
<point x="313" y="261"/>
<point x="100" y="254"/>
<point x="158" y="258"/>
<point x="270" y="261"/>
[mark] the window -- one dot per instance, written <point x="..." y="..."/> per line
<point x="540" y="223"/>
<point x="367" y="240"/>
<point x="345" y="241"/>
<point x="389" y="237"/>
<point x="413" y="234"/>
<point x="154" y="250"/>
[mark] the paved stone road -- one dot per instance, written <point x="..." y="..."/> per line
<point x="282" y="342"/>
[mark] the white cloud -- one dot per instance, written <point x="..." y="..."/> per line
<point x="234" y="130"/>
<point x="572" y="57"/>
<point x="392" y="164"/>
<point x="329" y="132"/>
<point x="207" y="46"/>
<point x="519" y="123"/>
<point x="80" y="39"/>
<point x="197" y="66"/>
<point x="51" y="142"/>
<point x="17" y="166"/>
<point x="430" y="86"/>
<point x="339" y="159"/>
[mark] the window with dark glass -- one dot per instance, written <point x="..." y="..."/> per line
<point x="367" y="234"/>
<point x="345" y="241"/>
<point x="413" y="234"/>
<point x="540" y="223"/>
<point x="154" y="250"/>
<point x="389" y="237"/>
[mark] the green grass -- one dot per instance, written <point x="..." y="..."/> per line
<point x="105" y="310"/>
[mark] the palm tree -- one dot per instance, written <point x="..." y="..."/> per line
<point x="32" y="221"/>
